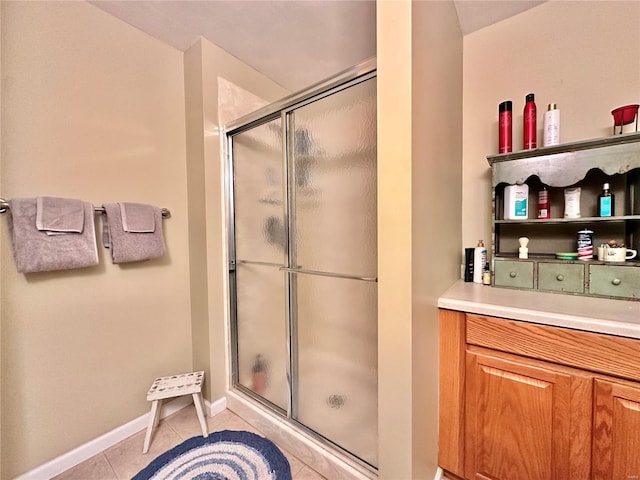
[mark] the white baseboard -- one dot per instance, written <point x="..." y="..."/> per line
<point x="214" y="408"/>
<point x="97" y="445"/>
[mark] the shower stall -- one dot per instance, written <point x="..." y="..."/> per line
<point x="303" y="261"/>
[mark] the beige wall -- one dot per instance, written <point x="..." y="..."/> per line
<point x="436" y="205"/>
<point x="419" y="55"/>
<point x="91" y="109"/>
<point x="205" y="65"/>
<point x="582" y="55"/>
<point x="94" y="109"/>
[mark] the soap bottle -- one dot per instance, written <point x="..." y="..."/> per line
<point x="544" y="209"/>
<point x="606" y="202"/>
<point x="551" y="126"/>
<point x="529" y="123"/>
<point x="479" y="259"/>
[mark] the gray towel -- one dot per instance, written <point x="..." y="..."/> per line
<point x="59" y="215"/>
<point x="35" y="251"/>
<point x="131" y="246"/>
<point x="137" y="218"/>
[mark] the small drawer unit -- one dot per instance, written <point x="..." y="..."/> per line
<point x="615" y="281"/>
<point x="548" y="172"/>
<point x="514" y="273"/>
<point x="561" y="277"/>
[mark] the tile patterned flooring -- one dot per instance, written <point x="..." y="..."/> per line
<point x="123" y="460"/>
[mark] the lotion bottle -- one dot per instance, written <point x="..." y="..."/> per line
<point x="479" y="260"/>
<point x="551" y="126"/>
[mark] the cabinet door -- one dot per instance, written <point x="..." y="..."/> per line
<point x="616" y="431"/>
<point x="525" y="422"/>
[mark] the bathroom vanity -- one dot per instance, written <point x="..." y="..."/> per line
<point x="537" y="385"/>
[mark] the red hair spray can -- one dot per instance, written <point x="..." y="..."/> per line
<point x="504" y="127"/>
<point x="530" y="128"/>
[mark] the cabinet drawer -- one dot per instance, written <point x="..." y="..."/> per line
<point x="595" y="352"/>
<point x="560" y="277"/>
<point x="517" y="274"/>
<point x="614" y="281"/>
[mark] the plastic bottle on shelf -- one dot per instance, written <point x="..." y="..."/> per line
<point x="479" y="260"/>
<point x="544" y="208"/>
<point x="516" y="202"/>
<point x="551" y="126"/>
<point x="606" y="202"/>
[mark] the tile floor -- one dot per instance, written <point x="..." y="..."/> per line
<point x="125" y="459"/>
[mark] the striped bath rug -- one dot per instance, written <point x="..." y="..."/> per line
<point x="225" y="455"/>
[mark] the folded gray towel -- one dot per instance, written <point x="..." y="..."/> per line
<point x="59" y="215"/>
<point x="35" y="251"/>
<point x="137" y="218"/>
<point x="131" y="246"/>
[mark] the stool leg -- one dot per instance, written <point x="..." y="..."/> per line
<point x="156" y="421"/>
<point x="152" y="423"/>
<point x="197" y="401"/>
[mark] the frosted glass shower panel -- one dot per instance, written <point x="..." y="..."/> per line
<point x="258" y="193"/>
<point x="262" y="334"/>
<point x="334" y="173"/>
<point x="337" y="377"/>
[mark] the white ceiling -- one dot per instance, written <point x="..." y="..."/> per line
<point x="294" y="42"/>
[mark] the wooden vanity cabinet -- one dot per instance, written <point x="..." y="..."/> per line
<point x="534" y="402"/>
<point x="616" y="430"/>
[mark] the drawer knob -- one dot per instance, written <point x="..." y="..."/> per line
<point x="560" y="277"/>
<point x="513" y="274"/>
<point x="616" y="281"/>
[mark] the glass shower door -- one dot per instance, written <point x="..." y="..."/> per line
<point x="303" y="264"/>
<point x="262" y="355"/>
<point x="333" y="268"/>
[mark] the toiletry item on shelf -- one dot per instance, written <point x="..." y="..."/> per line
<point x="523" y="251"/>
<point x="544" y="208"/>
<point x="529" y="132"/>
<point x="606" y="202"/>
<point x="572" y="202"/>
<point x="468" y="264"/>
<point x="551" y="126"/>
<point x="585" y="244"/>
<point x="486" y="275"/>
<point x="505" y="126"/>
<point x="601" y="252"/>
<point x="479" y="259"/>
<point x="516" y="202"/>
<point x="618" y="254"/>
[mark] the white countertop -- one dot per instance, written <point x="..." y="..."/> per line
<point x="601" y="315"/>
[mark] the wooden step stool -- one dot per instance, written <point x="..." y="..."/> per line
<point x="175" y="386"/>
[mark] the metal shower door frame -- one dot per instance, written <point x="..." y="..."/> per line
<point x="285" y="110"/>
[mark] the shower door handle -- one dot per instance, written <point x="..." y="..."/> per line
<point x="328" y="274"/>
